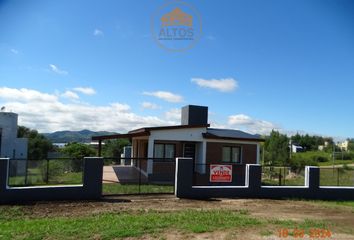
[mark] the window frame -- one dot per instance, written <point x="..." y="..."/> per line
<point x="230" y="156"/>
<point x="164" y="149"/>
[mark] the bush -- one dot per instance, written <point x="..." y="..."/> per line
<point x="320" y="159"/>
<point x="298" y="163"/>
<point x="346" y="156"/>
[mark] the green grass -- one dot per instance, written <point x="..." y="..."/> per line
<point x="120" y="225"/>
<point x="116" y="188"/>
<point x="36" y="178"/>
<point x="336" y="162"/>
<point x="349" y="204"/>
<point x="14" y="224"/>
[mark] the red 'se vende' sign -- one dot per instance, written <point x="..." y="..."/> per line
<point x="220" y="173"/>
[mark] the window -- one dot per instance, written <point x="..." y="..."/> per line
<point x="162" y="150"/>
<point x="159" y="151"/>
<point x="231" y="154"/>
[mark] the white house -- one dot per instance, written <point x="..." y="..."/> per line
<point x="343" y="145"/>
<point x="193" y="138"/>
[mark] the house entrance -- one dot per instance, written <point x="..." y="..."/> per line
<point x="189" y="150"/>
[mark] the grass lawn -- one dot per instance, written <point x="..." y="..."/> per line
<point x="349" y="204"/>
<point x="116" y="188"/>
<point x="336" y="162"/>
<point x="13" y="225"/>
<point x="36" y="178"/>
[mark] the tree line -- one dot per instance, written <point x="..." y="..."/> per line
<point x="39" y="146"/>
<point x="276" y="149"/>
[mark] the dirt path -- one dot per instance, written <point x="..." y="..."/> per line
<point x="271" y="209"/>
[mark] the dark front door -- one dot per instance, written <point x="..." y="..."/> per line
<point x="189" y="150"/>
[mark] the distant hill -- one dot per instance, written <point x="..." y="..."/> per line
<point x="83" y="136"/>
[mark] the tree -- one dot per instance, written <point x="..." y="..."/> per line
<point x="309" y="143"/>
<point x="276" y="149"/>
<point x="38" y="145"/>
<point x="351" y="144"/>
<point x="113" y="148"/>
<point x="78" y="150"/>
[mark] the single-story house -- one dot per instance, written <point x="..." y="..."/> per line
<point x="193" y="138"/>
<point x="295" y="148"/>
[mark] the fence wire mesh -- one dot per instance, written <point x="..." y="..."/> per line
<point x="282" y="176"/>
<point x="62" y="171"/>
<point x="337" y="176"/>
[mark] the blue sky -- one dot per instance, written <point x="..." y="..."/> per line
<point x="79" y="64"/>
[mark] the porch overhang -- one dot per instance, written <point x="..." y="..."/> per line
<point x="116" y="136"/>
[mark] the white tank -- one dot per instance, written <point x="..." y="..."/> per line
<point x="10" y="145"/>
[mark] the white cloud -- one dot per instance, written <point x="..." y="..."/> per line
<point x="174" y="115"/>
<point x="251" y="125"/>
<point x="70" y="95"/>
<point x="47" y="113"/>
<point x="26" y="95"/>
<point x="97" y="32"/>
<point x="167" y="96"/>
<point x="85" y="90"/>
<point x="57" y="70"/>
<point x="222" y="85"/>
<point x="149" y="105"/>
<point x="14" y="51"/>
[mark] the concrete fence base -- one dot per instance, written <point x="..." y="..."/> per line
<point x="91" y="188"/>
<point x="253" y="186"/>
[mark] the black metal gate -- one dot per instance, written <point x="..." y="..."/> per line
<point x="138" y="176"/>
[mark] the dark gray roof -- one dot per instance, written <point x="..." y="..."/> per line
<point x="231" y="134"/>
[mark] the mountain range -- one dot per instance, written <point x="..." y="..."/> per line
<point x="83" y="136"/>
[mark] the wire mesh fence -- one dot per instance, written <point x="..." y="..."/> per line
<point x="138" y="176"/>
<point x="282" y="176"/>
<point x="337" y="176"/>
<point x="63" y="171"/>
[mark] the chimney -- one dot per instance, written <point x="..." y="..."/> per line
<point x="194" y="115"/>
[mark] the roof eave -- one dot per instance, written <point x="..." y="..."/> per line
<point x="212" y="136"/>
<point x="119" y="136"/>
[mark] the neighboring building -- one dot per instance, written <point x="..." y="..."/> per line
<point x="59" y="145"/>
<point x="10" y="145"/>
<point x="295" y="148"/>
<point x="343" y="145"/>
<point x="194" y="139"/>
<point x="322" y="147"/>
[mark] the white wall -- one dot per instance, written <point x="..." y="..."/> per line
<point x="21" y="147"/>
<point x="9" y="140"/>
<point x="182" y="134"/>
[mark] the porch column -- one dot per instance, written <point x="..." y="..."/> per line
<point x="99" y="147"/>
<point x="204" y="156"/>
<point x="150" y="156"/>
<point x="258" y="153"/>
